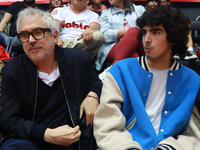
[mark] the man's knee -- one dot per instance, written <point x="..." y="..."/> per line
<point x="98" y="36"/>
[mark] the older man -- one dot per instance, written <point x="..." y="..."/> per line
<point x="46" y="90"/>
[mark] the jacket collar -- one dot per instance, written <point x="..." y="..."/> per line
<point x="58" y="53"/>
<point x="143" y="62"/>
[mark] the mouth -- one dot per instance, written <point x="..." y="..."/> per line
<point x="147" y="48"/>
<point x="34" y="49"/>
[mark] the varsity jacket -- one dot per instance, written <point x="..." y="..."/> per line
<point x="20" y="87"/>
<point x="121" y="122"/>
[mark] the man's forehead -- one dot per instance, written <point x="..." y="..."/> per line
<point x="31" y="17"/>
<point x="35" y="22"/>
<point x="37" y="19"/>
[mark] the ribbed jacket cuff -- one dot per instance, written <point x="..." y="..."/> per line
<point x="165" y="147"/>
<point x="37" y="133"/>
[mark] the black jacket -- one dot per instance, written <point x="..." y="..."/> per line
<point x="19" y="92"/>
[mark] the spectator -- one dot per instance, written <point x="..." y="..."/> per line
<point x="151" y="4"/>
<point x="54" y="4"/>
<point x="96" y="6"/>
<point x="11" y="15"/>
<point x="46" y="90"/>
<point x="191" y="55"/>
<point x="146" y="102"/>
<point x="165" y="3"/>
<point x="79" y="27"/>
<point x="119" y="28"/>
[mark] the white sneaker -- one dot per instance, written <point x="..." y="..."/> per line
<point x="191" y="55"/>
<point x="103" y="74"/>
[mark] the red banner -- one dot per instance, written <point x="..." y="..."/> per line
<point x="8" y="2"/>
<point x="197" y="1"/>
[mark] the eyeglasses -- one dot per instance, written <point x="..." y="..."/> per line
<point x="37" y="33"/>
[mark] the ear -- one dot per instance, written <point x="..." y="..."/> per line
<point x="55" y="35"/>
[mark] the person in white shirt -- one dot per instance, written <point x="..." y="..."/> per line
<point x="79" y="27"/>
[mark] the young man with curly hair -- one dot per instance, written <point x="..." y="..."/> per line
<point x="146" y="102"/>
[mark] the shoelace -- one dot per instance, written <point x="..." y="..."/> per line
<point x="192" y="52"/>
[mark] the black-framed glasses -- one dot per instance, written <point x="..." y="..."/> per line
<point x="37" y="33"/>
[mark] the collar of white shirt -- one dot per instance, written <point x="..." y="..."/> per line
<point x="49" y="78"/>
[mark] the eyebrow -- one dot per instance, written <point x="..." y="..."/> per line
<point x="154" y="29"/>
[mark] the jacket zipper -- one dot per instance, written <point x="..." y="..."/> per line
<point x="36" y="93"/>
<point x="66" y="99"/>
<point x="68" y="105"/>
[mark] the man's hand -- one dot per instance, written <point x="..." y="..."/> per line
<point x="87" y="36"/>
<point x="63" y="135"/>
<point x="89" y="106"/>
<point x="60" y="42"/>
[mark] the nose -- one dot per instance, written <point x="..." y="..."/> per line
<point x="32" y="39"/>
<point x="147" y="38"/>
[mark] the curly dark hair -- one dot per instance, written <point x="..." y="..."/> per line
<point x="175" y="23"/>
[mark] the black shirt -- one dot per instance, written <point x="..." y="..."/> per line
<point x="51" y="110"/>
<point x="14" y="9"/>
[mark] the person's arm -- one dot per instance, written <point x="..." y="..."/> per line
<point x="91" y="101"/>
<point x="87" y="35"/>
<point x="4" y="22"/>
<point x="89" y="106"/>
<point x="60" y="41"/>
<point x="109" y="122"/>
<point x="57" y="15"/>
<point x="94" y="26"/>
<point x="14" y="122"/>
<point x="121" y="33"/>
<point x="110" y="33"/>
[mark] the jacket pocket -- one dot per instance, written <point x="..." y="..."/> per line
<point x="131" y="124"/>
